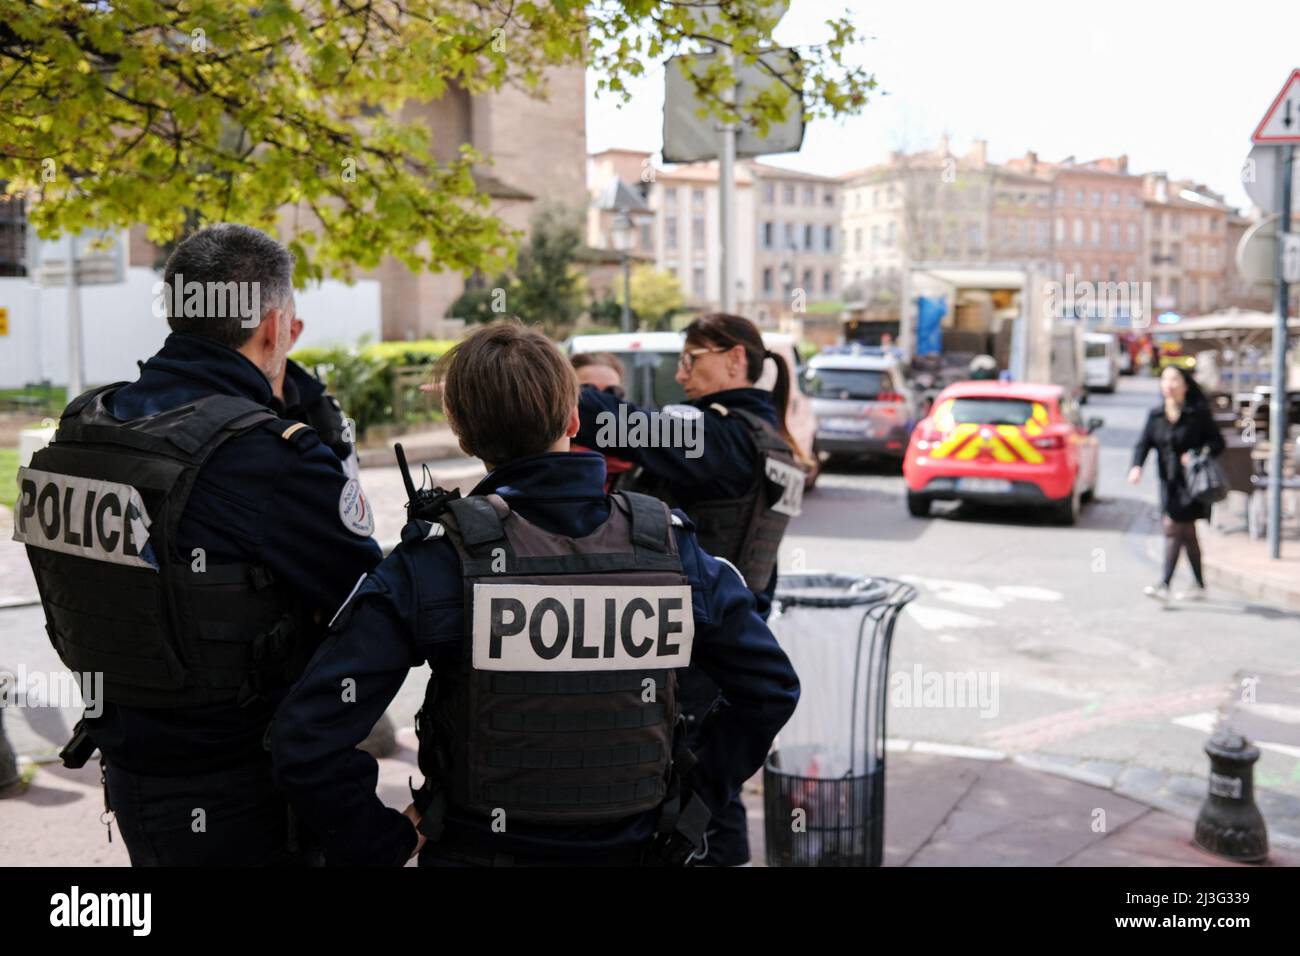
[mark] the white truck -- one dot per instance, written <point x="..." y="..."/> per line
<point x="1007" y="313"/>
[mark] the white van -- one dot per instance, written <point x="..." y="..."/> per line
<point x="1100" y="361"/>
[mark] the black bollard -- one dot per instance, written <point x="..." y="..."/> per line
<point x="1229" y="824"/>
<point x="9" y="775"/>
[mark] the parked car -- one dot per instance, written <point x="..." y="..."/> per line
<point x="1004" y="443"/>
<point x="1100" y="361"/>
<point x="862" y="403"/>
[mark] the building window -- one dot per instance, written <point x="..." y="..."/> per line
<point x="645" y="237"/>
<point x="13" y="236"/>
<point x="809" y="236"/>
<point x="670" y="232"/>
<point x="787" y="194"/>
<point x="697" y="197"/>
<point x="697" y="231"/>
<point x="809" y="196"/>
<point x="828" y="283"/>
<point x="875" y="237"/>
<point x="1078" y="232"/>
<point x="808" y="281"/>
<point x="1080" y="198"/>
<point x="1193" y="257"/>
<point x="1175" y="222"/>
<point x="1096" y="232"/>
<point x="670" y="195"/>
<point x="1112" y="235"/>
<point x="1132" y="235"/>
<point x="791" y="236"/>
<point x="1096" y="199"/>
<point x="857" y="240"/>
<point x="767" y="281"/>
<point x="828" y="198"/>
<point x="1114" y="200"/>
<point x="769" y="193"/>
<point x="828" y="238"/>
<point x="697" y="281"/>
<point x="1176" y="253"/>
<point x="1060" y="197"/>
<point x="769" y="235"/>
<point x="1060" y="229"/>
<point x="890" y="234"/>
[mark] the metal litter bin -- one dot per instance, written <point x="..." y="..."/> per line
<point x="824" y="781"/>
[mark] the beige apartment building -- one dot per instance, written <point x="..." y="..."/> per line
<point x="932" y="206"/>
<point x="1189" y="245"/>
<point x="786" y="231"/>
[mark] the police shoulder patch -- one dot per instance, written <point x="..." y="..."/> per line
<point x="354" y="510"/>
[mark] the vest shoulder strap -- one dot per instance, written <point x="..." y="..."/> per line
<point x="194" y="430"/>
<point x="651" y="521"/>
<point x="477" y="522"/>
<point x="85" y="398"/>
<point x="765" y="436"/>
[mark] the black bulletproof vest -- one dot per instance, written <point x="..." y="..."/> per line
<point x="165" y="629"/>
<point x="747" y="530"/>
<point x="566" y="709"/>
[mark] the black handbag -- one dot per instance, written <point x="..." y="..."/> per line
<point x="1204" y="479"/>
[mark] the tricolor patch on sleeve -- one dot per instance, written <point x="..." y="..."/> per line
<point x="354" y="510"/>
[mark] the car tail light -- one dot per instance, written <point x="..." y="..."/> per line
<point x="894" y="397"/>
<point x="1048" y="442"/>
<point x="927" y="436"/>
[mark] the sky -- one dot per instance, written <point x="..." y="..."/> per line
<point x="1178" y="86"/>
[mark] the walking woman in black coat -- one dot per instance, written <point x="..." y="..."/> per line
<point x="1180" y="425"/>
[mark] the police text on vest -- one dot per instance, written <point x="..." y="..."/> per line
<point x="102" y="520"/>
<point x="531" y="627"/>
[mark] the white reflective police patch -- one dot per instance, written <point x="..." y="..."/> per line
<point x="682" y="411"/>
<point x="354" y="510"/>
<point x="534" y="627"/>
<point x="101" y="520"/>
<point x="791" y="480"/>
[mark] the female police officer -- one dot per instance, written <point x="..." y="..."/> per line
<point x="740" y="484"/>
<point x="554" y="619"/>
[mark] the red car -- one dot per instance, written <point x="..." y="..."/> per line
<point x="1004" y="443"/>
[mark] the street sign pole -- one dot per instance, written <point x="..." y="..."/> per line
<point x="76" y="384"/>
<point x="1278" y="407"/>
<point x="727" y="201"/>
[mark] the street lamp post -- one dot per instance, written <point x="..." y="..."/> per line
<point x="621" y="231"/>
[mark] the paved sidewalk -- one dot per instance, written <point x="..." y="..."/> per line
<point x="940" y="811"/>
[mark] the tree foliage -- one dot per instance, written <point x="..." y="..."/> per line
<point x="172" y="113"/>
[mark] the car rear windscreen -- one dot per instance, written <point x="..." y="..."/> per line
<point x="1095" y="350"/>
<point x="845" y="384"/>
<point x="992" y="411"/>
<point x="650" y="378"/>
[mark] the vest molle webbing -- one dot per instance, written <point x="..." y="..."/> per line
<point x="566" y="710"/>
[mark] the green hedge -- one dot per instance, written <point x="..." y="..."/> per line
<point x="363" y="377"/>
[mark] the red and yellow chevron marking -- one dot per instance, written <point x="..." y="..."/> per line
<point x="1006" y="443"/>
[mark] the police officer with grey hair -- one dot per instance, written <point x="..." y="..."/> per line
<point x="189" y="543"/>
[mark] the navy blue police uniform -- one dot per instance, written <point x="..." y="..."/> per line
<point x="412" y="610"/>
<point x="269" y="498"/>
<point x="723" y="469"/>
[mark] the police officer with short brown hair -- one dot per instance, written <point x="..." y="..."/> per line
<point x="554" y="618"/>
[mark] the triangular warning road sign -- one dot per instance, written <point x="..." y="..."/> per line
<point x="1281" y="124"/>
